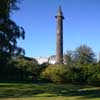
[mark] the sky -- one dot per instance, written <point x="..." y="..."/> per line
<point x="37" y="17"/>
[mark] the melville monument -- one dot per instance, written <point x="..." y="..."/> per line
<point x="59" y="40"/>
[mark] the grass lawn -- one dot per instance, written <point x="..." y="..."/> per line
<point x="22" y="91"/>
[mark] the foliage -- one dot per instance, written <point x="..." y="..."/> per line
<point x="7" y="6"/>
<point x="55" y="73"/>
<point x="68" y="57"/>
<point x="79" y="73"/>
<point x="26" y="66"/>
<point x="85" y="54"/>
<point x="81" y="55"/>
<point x="10" y="32"/>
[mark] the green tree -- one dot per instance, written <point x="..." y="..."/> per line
<point x="85" y="55"/>
<point x="27" y="66"/>
<point x="68" y="58"/>
<point x="9" y="30"/>
<point x="6" y="7"/>
<point x="55" y="73"/>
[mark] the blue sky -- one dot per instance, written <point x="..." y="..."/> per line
<point x="81" y="25"/>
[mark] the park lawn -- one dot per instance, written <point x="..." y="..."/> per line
<point x="23" y="91"/>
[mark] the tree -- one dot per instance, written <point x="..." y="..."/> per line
<point x="7" y="6"/>
<point x="85" y="55"/>
<point x="9" y="30"/>
<point x="68" y="57"/>
<point x="27" y="67"/>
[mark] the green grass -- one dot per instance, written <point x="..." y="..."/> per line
<point x="22" y="91"/>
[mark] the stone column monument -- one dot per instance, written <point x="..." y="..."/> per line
<point x="59" y="41"/>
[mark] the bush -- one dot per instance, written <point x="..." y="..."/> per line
<point x="85" y="73"/>
<point x="26" y="68"/>
<point x="55" y="73"/>
<point x="94" y="77"/>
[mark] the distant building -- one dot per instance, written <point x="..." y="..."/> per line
<point x="98" y="60"/>
<point x="41" y="60"/>
<point x="50" y="60"/>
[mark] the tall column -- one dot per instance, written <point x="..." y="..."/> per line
<point x="59" y="41"/>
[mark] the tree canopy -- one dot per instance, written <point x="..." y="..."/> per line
<point x="9" y="30"/>
<point x="82" y="55"/>
<point x="85" y="54"/>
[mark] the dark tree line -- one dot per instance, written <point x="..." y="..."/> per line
<point x="10" y="32"/>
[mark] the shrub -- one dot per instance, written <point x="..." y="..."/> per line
<point x="55" y="73"/>
<point x="85" y="73"/>
<point x="94" y="77"/>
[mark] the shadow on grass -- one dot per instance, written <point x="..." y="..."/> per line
<point x="18" y="90"/>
